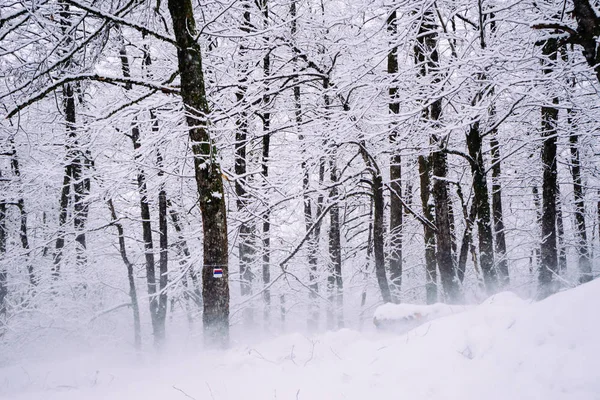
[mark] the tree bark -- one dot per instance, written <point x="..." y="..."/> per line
<point x="584" y="262"/>
<point x="246" y="235"/>
<point x="497" y="212"/>
<point x="313" y="238"/>
<point x="396" y="209"/>
<point x="549" y="260"/>
<point x="266" y="143"/>
<point x="158" y="323"/>
<point x="428" y="232"/>
<point x="23" y="218"/>
<point x="482" y="206"/>
<point x="208" y="174"/>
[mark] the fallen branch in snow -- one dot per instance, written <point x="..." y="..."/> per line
<point x="184" y="393"/>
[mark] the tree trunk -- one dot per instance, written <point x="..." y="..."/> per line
<point x="334" y="279"/>
<point x="428" y="232"/>
<point x="163" y="260"/>
<point x="482" y="206"/>
<point x="23" y="220"/>
<point x="266" y="142"/>
<point x="396" y="209"/>
<point x="208" y="175"/>
<point x="378" y="238"/>
<point x="467" y="240"/>
<point x="549" y="261"/>
<point x="584" y="262"/>
<point x="498" y="214"/>
<point x="137" y="334"/>
<point x="560" y="235"/>
<point x="313" y="239"/>
<point x="427" y="57"/>
<point x="158" y="323"/>
<point x="246" y="236"/>
<point x="158" y="330"/>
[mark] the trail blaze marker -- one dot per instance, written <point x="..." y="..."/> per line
<point x="217" y="272"/>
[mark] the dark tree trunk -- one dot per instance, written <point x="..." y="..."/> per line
<point x="378" y="238"/>
<point x="560" y="235"/>
<point x="467" y="240"/>
<point x="69" y="110"/>
<point x="23" y="219"/>
<point x="482" y="206"/>
<point x="313" y="239"/>
<point x="266" y="240"/>
<point x="163" y="255"/>
<point x="396" y="209"/>
<point x="584" y="262"/>
<point x="334" y="279"/>
<point x="427" y="58"/>
<point x="500" y="244"/>
<point x="137" y="334"/>
<point x="549" y="260"/>
<point x="157" y="328"/>
<point x="208" y="175"/>
<point x="428" y="231"/>
<point x="246" y="236"/>
<point x="588" y="30"/>
<point x="158" y="323"/>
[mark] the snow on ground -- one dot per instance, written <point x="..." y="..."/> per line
<point x="506" y="348"/>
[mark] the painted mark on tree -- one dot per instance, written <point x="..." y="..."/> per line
<point x="217" y="272"/>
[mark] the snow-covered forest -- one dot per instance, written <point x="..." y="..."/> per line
<point x="181" y="175"/>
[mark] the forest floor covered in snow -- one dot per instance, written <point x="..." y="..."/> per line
<point x="505" y="348"/>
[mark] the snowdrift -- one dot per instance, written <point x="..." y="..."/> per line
<point x="401" y="318"/>
<point x="505" y="348"/>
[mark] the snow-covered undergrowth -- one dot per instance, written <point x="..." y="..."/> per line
<point x="506" y="348"/>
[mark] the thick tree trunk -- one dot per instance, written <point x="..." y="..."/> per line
<point x="427" y="58"/>
<point x="396" y="209"/>
<point x="584" y="262"/>
<point x="378" y="238"/>
<point x="549" y="260"/>
<point x="428" y="232"/>
<point x="482" y="206"/>
<point x="137" y="333"/>
<point x="208" y="175"/>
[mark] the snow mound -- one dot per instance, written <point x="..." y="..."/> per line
<point x="402" y="318"/>
<point x="505" y="348"/>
